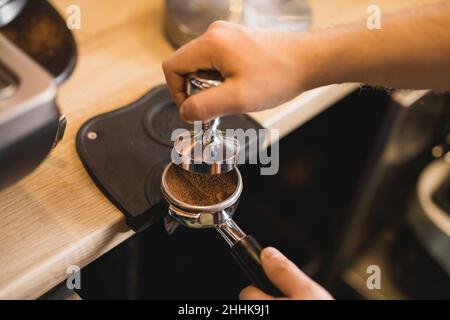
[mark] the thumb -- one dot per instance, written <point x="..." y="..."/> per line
<point x="211" y="103"/>
<point x="285" y="274"/>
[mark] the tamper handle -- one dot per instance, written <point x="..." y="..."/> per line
<point x="203" y="80"/>
<point x="247" y="253"/>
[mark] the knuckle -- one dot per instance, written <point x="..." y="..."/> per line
<point x="219" y="37"/>
<point x="218" y="24"/>
<point x="221" y="33"/>
<point x="214" y="36"/>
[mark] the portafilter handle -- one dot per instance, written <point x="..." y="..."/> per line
<point x="247" y="253"/>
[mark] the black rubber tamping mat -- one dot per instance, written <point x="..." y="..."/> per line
<point x="126" y="150"/>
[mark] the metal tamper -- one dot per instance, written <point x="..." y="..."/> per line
<point x="206" y="149"/>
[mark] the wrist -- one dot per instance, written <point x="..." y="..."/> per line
<point x="327" y="57"/>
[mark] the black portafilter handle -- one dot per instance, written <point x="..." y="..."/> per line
<point x="247" y="253"/>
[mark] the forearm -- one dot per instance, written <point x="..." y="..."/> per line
<point x="264" y="69"/>
<point x="412" y="50"/>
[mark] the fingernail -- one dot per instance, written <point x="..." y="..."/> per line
<point x="271" y="253"/>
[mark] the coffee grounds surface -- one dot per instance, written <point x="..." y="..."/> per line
<point x="200" y="189"/>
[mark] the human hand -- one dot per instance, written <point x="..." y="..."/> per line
<point x="262" y="69"/>
<point x="285" y="275"/>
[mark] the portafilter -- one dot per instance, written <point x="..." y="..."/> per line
<point x="244" y="248"/>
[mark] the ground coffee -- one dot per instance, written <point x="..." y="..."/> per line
<point x="200" y="189"/>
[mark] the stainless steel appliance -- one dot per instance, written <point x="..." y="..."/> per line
<point x="187" y="19"/>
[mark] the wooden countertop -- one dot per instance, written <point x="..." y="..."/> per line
<point x="56" y="217"/>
